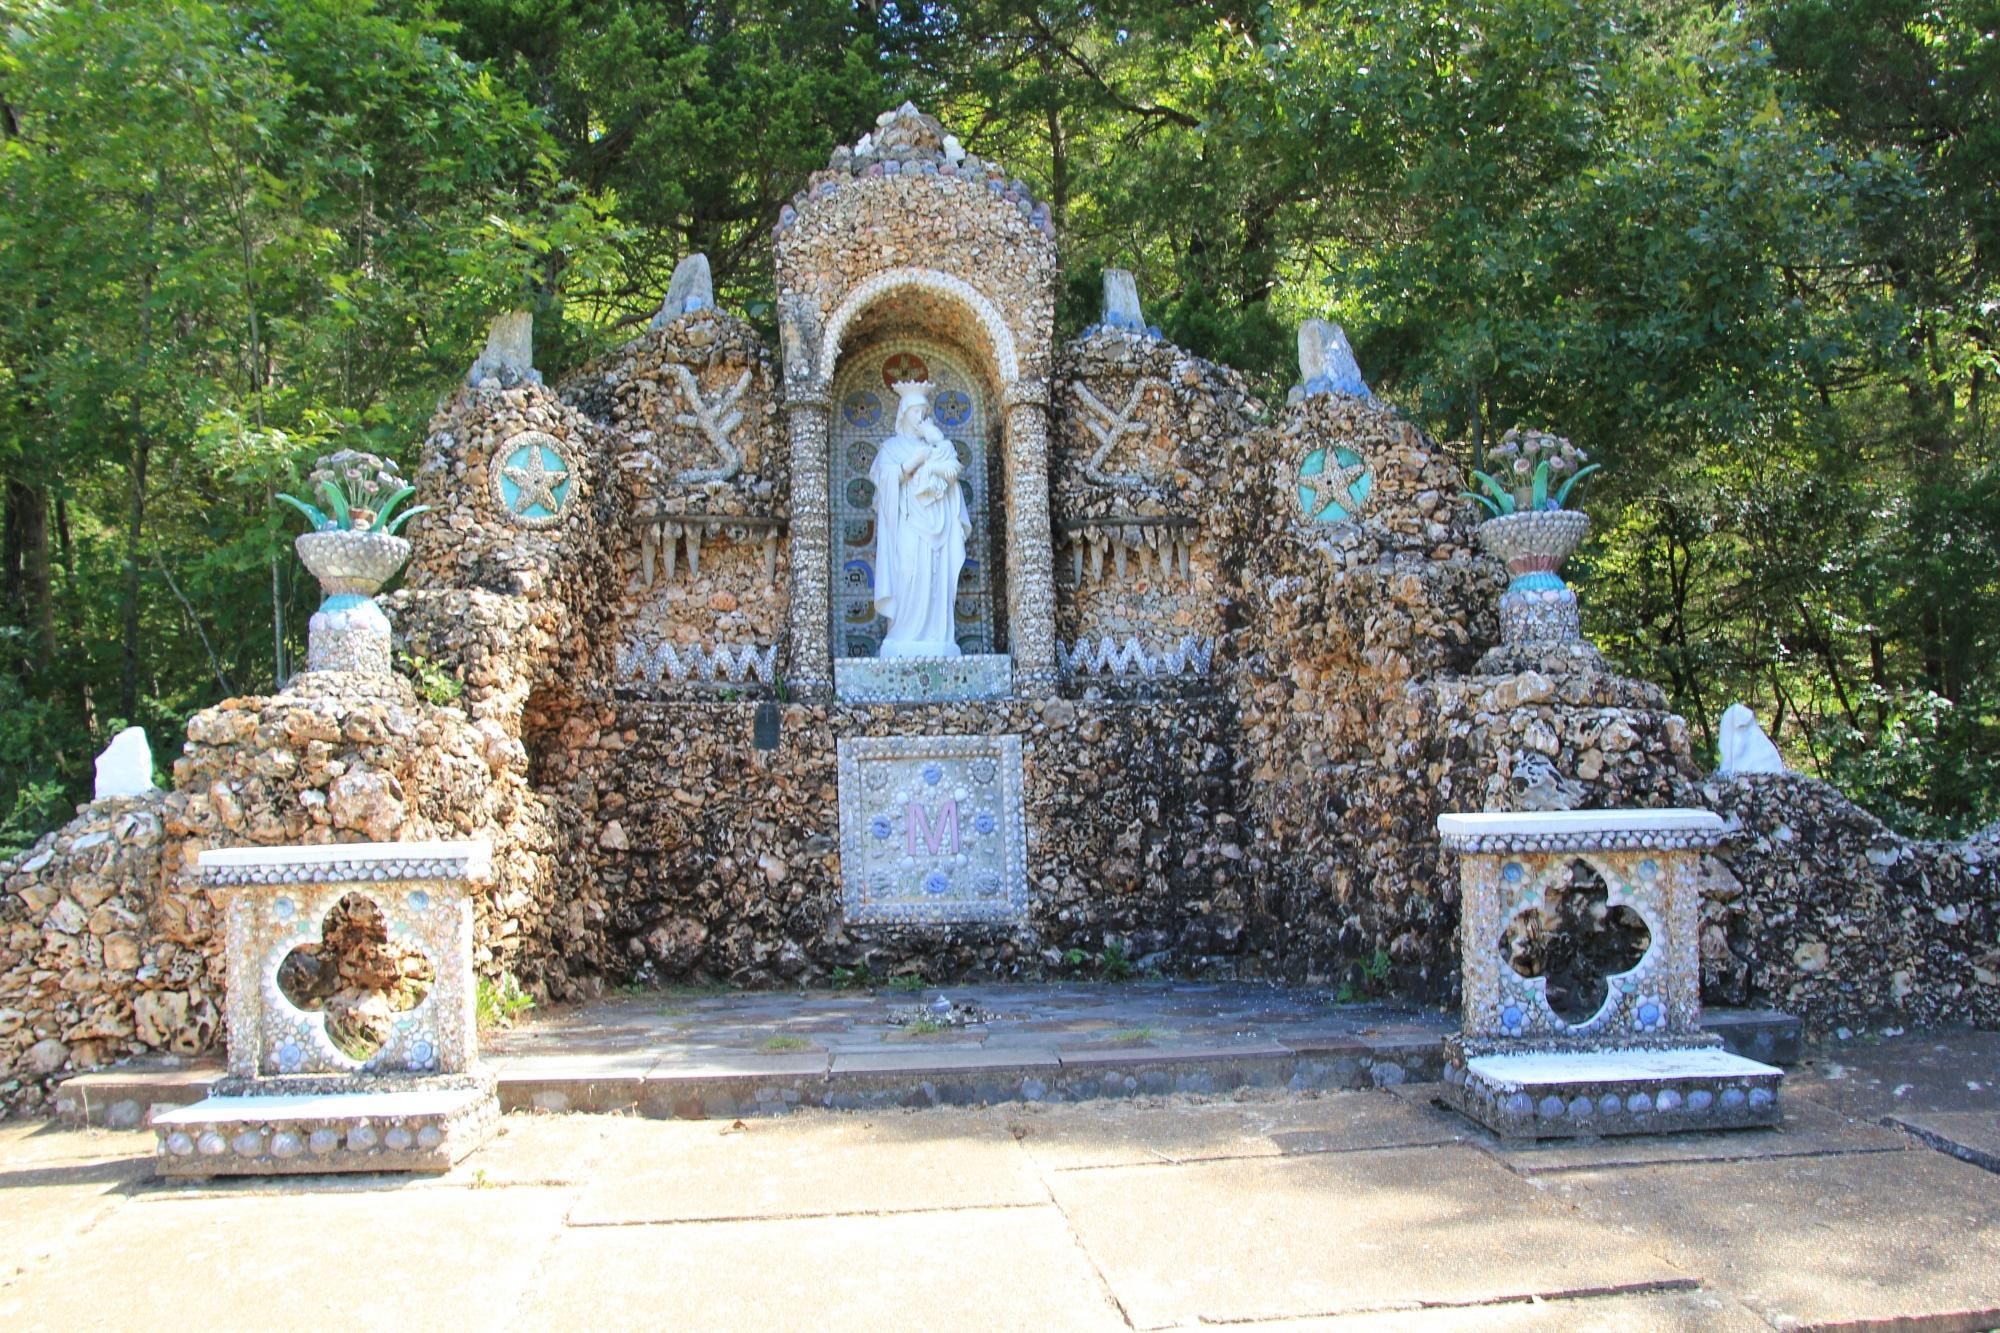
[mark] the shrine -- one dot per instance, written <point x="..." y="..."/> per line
<point x="912" y="639"/>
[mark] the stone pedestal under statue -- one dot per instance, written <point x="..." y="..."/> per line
<point x="1582" y="982"/>
<point x="295" y="1101"/>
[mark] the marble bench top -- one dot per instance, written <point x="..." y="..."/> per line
<point x="1563" y="830"/>
<point x="347" y="861"/>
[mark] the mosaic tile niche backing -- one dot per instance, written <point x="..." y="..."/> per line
<point x="864" y="414"/>
<point x="932" y="829"/>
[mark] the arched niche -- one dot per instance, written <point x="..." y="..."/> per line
<point x="919" y="301"/>
<point x="965" y="406"/>
<point x="921" y="308"/>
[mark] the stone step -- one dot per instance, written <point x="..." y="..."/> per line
<point x="656" y="1081"/>
<point x="425" y="1129"/>
<point x="1551" y="1094"/>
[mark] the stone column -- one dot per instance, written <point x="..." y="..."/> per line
<point x="1031" y="587"/>
<point x="809" y="674"/>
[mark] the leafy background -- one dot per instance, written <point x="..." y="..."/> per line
<point x="1743" y="253"/>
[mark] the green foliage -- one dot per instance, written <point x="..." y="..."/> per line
<point x="1111" y="963"/>
<point x="233" y="237"/>
<point x="858" y="977"/>
<point x="785" y="1041"/>
<point x="1369" y="980"/>
<point x="1745" y="252"/>
<point x="496" y="1004"/>
<point x="434" y="683"/>
<point x="906" y="982"/>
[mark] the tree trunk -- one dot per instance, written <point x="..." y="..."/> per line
<point x="26" y="572"/>
<point x="135" y="530"/>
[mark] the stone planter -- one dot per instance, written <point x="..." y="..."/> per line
<point x="349" y="632"/>
<point x="351" y="563"/>
<point x="1538" y="610"/>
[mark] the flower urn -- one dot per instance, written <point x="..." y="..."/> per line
<point x="349" y="631"/>
<point x="1538" y="609"/>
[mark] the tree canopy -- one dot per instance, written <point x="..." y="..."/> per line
<point x="1743" y="253"/>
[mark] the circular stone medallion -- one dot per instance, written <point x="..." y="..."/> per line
<point x="951" y="409"/>
<point x="532" y="478"/>
<point x="1334" y="485"/>
<point x="861" y="408"/>
<point x="904" y="366"/>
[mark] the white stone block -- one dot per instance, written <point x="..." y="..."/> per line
<point x="126" y="766"/>
<point x="1745" y="747"/>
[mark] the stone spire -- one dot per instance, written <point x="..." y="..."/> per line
<point x="509" y="357"/>
<point x="690" y="289"/>
<point x="1326" y="361"/>
<point x="1121" y="301"/>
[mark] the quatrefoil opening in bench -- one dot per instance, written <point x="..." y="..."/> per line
<point x="357" y="977"/>
<point x="1577" y="942"/>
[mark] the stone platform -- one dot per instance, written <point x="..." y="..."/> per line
<point x="688" y="1053"/>
<point x="419" y="1129"/>
<point x="1535" y="1095"/>
<point x="888" y="680"/>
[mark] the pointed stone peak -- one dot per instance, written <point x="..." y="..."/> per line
<point x="509" y="357"/>
<point x="1121" y="301"/>
<point x="1326" y="361"/>
<point x="691" y="288"/>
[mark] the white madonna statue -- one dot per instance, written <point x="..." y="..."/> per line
<point x="920" y="530"/>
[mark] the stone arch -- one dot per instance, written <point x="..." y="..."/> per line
<point x="1006" y="363"/>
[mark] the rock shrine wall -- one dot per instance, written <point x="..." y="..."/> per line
<point x="1254" y="658"/>
<point x="720" y="861"/>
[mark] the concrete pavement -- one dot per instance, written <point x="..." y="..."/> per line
<point x="1273" y="1209"/>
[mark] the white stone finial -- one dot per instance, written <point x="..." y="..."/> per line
<point x="510" y="350"/>
<point x="1121" y="301"/>
<point x="126" y="766"/>
<point x="691" y="288"/>
<point x="954" y="151"/>
<point x="1745" y="748"/>
<point x="1326" y="360"/>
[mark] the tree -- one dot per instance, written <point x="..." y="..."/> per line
<point x="236" y="234"/>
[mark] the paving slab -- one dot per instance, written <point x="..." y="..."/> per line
<point x="943" y="1060"/>
<point x="1645" y="1312"/>
<point x="530" y="1149"/>
<point x="26" y="1143"/>
<point x="600" y="1082"/>
<point x="1970" y="1136"/>
<point x="806" y="1166"/>
<point x="1336" y="1233"/>
<point x="1091" y="1135"/>
<point x="1911" y="1237"/>
<point x="686" y="1053"/>
<point x="1873" y="1077"/>
<point x="124" y="1097"/>
<point x="1010" y="1269"/>
<point x="295" y="1258"/>
<point x="49" y="1194"/>
<point x="1808" y="1129"/>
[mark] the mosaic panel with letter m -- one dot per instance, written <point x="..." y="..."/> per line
<point x="932" y="829"/>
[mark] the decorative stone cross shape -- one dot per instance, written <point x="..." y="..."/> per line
<point x="717" y="420"/>
<point x="1575" y="940"/>
<point x="1109" y="427"/>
